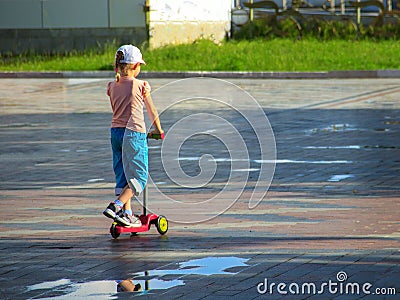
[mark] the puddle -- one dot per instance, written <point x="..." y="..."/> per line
<point x="49" y="285"/>
<point x="334" y="128"/>
<point x="391" y="122"/>
<point x="197" y="158"/>
<point x="381" y="147"/>
<point x="194" y="158"/>
<point x="141" y="282"/>
<point x="277" y="161"/>
<point x="333" y="147"/>
<point x="95" y="180"/>
<point x="229" y="159"/>
<point x="210" y="131"/>
<point x="246" y="170"/>
<point x="337" y="178"/>
<point x="352" y="147"/>
<point x="289" y="161"/>
<point x="160" y="182"/>
<point x="78" y="81"/>
<point x="21" y="125"/>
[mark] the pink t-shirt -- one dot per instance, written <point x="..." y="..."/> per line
<point x="128" y="98"/>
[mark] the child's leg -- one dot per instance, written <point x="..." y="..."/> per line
<point x="126" y="217"/>
<point x="117" y="139"/>
<point x="137" y="171"/>
<point x="121" y="211"/>
<point x="125" y="198"/>
<point x="137" y="157"/>
<point x="123" y="201"/>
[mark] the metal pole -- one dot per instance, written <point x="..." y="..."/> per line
<point x="42" y="14"/>
<point x="251" y="20"/>
<point x="145" y="201"/>
<point x="147" y="19"/>
<point x="108" y="14"/>
<point x="251" y="12"/>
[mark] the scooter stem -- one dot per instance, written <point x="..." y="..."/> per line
<point x="145" y="201"/>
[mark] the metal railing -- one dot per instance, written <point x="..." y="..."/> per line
<point x="328" y="6"/>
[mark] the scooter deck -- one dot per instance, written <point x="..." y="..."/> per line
<point x="146" y="220"/>
<point x="160" y="222"/>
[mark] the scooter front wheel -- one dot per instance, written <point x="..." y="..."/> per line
<point x="162" y="225"/>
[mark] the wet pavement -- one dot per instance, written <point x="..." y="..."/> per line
<point x="327" y="228"/>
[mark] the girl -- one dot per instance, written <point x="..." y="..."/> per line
<point x="128" y="96"/>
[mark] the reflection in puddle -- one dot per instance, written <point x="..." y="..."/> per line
<point x="203" y="266"/>
<point x="66" y="289"/>
<point x="129" y="286"/>
<point x="141" y="282"/>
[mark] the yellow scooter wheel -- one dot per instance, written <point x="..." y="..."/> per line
<point x="162" y="225"/>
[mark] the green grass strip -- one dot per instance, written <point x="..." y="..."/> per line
<point x="255" y="55"/>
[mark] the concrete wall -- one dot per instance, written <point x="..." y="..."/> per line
<point x="178" y="21"/>
<point x="15" y="41"/>
<point x="63" y="25"/>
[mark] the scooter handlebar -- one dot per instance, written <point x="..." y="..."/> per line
<point x="155" y="136"/>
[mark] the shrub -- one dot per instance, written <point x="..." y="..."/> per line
<point x="294" y="25"/>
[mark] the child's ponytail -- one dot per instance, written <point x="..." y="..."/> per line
<point x="117" y="76"/>
<point x="118" y="57"/>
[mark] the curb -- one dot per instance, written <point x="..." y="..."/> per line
<point x="245" y="75"/>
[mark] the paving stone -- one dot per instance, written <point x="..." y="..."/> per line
<point x="332" y="205"/>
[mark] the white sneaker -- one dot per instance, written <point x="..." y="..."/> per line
<point x="127" y="220"/>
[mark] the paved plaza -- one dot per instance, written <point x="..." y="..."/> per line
<point x="328" y="227"/>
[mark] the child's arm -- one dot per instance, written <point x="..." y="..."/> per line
<point x="153" y="114"/>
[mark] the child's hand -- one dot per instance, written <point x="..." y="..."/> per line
<point x="156" y="134"/>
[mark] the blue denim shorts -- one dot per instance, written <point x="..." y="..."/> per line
<point x="130" y="158"/>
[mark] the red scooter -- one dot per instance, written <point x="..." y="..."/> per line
<point x="160" y="222"/>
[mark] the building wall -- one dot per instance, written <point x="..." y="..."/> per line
<point x="64" y="25"/>
<point x="179" y="21"/>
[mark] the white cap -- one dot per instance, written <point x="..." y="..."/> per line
<point x="132" y="55"/>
